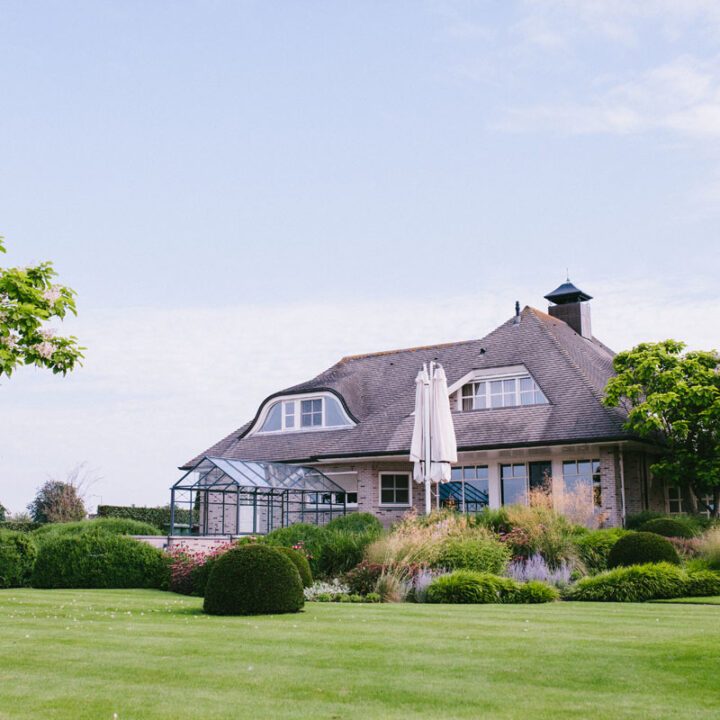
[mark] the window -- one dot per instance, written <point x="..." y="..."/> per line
<point x="513" y="483"/>
<point x="468" y="490"/>
<point x="335" y="498"/>
<point x="583" y="475"/>
<point x="501" y="392"/>
<point x="305" y="414"/>
<point x="394" y="489"/>
<point x="674" y="499"/>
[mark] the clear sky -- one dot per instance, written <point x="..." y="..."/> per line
<point x="243" y="192"/>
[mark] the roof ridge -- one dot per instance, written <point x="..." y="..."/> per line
<point x="583" y="375"/>
<point x="402" y="350"/>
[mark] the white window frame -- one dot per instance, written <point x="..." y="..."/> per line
<point x="488" y="375"/>
<point x="410" y="489"/>
<point x="595" y="485"/>
<point x="678" y="500"/>
<point x="297" y="427"/>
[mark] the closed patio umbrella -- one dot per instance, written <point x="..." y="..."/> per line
<point x="433" y="447"/>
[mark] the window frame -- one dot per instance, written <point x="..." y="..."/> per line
<point x="380" y="488"/>
<point x="595" y="485"/>
<point x="669" y="500"/>
<point x="296" y="415"/>
<point x="463" y="480"/>
<point x="487" y="380"/>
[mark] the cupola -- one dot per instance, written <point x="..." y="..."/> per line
<point x="570" y="305"/>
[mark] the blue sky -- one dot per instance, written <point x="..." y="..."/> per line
<point x="243" y="192"/>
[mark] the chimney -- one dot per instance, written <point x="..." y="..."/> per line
<point x="570" y="306"/>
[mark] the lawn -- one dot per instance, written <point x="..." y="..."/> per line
<point x="715" y="600"/>
<point x="147" y="654"/>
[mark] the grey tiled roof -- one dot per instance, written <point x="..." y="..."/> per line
<point x="379" y="390"/>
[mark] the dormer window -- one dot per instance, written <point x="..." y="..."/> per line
<point x="304" y="413"/>
<point x="497" y="388"/>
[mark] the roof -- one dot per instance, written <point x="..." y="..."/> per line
<point x="567" y="293"/>
<point x="379" y="391"/>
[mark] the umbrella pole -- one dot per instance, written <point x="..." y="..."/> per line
<point x="426" y="434"/>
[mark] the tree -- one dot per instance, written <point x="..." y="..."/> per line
<point x="57" y="501"/>
<point x="673" y="398"/>
<point x="28" y="299"/>
<point x="3" y="511"/>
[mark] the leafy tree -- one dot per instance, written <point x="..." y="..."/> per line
<point x="673" y="398"/>
<point x="3" y="510"/>
<point x="28" y="299"/>
<point x="57" y="501"/>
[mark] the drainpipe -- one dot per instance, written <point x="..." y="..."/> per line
<point x="622" y="486"/>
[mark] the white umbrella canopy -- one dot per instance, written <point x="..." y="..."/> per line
<point x="433" y="447"/>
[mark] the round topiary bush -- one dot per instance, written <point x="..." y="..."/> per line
<point x="668" y="527"/>
<point x="99" y="560"/>
<point x="253" y="580"/>
<point x="639" y="548"/>
<point x="17" y="557"/>
<point x="300" y="562"/>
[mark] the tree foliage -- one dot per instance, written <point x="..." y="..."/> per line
<point x="28" y="299"/>
<point x="673" y="398"/>
<point x="57" y="501"/>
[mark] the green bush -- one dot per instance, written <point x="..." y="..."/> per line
<point x="20" y="526"/>
<point x="473" y="552"/>
<point x="466" y="586"/>
<point x="300" y="562"/>
<point x="530" y="593"/>
<point x="99" y="560"/>
<point x="17" y="557"/>
<point x="639" y="548"/>
<point x="356" y="522"/>
<point x="695" y="523"/>
<point x="253" y="580"/>
<point x="199" y="577"/>
<point x="342" y="550"/>
<point x="638" y="583"/>
<point x="595" y="546"/>
<point x="702" y="583"/>
<point x="310" y="535"/>
<point x="159" y="517"/>
<point x="668" y="527"/>
<point x="635" y="521"/>
<point x="111" y="526"/>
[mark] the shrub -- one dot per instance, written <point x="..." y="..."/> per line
<point x="635" y="521"/>
<point x="98" y="560"/>
<point x="362" y="579"/>
<point x="638" y="583"/>
<point x="20" y="525"/>
<point x="473" y="552"/>
<point x="325" y="591"/>
<point x="355" y="522"/>
<point x="159" y="517"/>
<point x="533" y="592"/>
<point x="639" y="548"/>
<point x="710" y="548"/>
<point x="702" y="583"/>
<point x="17" y="557"/>
<point x="311" y="536"/>
<point x="199" y="577"/>
<point x="57" y="501"/>
<point x="300" y="561"/>
<point x="465" y="586"/>
<point x="595" y="546"/>
<point x="114" y="526"/>
<point x="536" y="569"/>
<point x="253" y="580"/>
<point x="667" y="527"/>
<point x="696" y="523"/>
<point x="342" y="550"/>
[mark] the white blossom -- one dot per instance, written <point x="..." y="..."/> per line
<point x="45" y="349"/>
<point x="10" y="341"/>
<point x="53" y="294"/>
<point x="47" y="333"/>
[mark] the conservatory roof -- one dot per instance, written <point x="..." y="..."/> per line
<point x="216" y="473"/>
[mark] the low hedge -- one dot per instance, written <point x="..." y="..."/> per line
<point x="300" y="562"/>
<point x="668" y="527"/>
<point x="99" y="560"/>
<point x="639" y="548"/>
<point x="342" y="550"/>
<point x="311" y="536"/>
<point x="356" y="522"/>
<point x="474" y="552"/>
<point x="159" y="517"/>
<point x="17" y="557"/>
<point x="253" y="580"/>
<point x="110" y="526"/>
<point x="469" y="587"/>
<point x="20" y="526"/>
<point x="641" y="583"/>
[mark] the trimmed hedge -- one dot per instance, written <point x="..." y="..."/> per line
<point x="595" y="547"/>
<point x="468" y="587"/>
<point x="641" y="583"/>
<point x="342" y="550"/>
<point x="310" y="535"/>
<point x="483" y="554"/>
<point x="668" y="527"/>
<point x="639" y="548"/>
<point x="110" y="526"/>
<point x="17" y="557"/>
<point x="159" y="517"/>
<point x="20" y="526"/>
<point x="99" y="560"/>
<point x="253" y="580"/>
<point x="300" y="562"/>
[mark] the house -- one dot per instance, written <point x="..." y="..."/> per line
<point x="528" y="415"/>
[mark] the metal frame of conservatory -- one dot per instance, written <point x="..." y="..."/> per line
<point x="223" y="496"/>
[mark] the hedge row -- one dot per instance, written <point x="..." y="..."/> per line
<point x="157" y="516"/>
<point x="469" y="587"/>
<point x="17" y="526"/>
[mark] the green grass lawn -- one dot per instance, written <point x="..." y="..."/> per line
<point x="715" y="600"/>
<point x="146" y="654"/>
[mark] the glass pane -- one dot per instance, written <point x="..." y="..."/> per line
<point x="482" y="472"/>
<point x="540" y="399"/>
<point x="289" y="407"/>
<point x="334" y="416"/>
<point x="509" y="386"/>
<point x="469" y="473"/>
<point x="496" y="401"/>
<point x="596" y="466"/>
<point x="496" y="386"/>
<point x="273" y="419"/>
<point x="476" y="495"/>
<point x="401" y="495"/>
<point x="480" y="388"/>
<point x="289" y="421"/>
<point x="509" y="400"/>
<point x="467" y="390"/>
<point x="513" y="491"/>
<point x="456" y="473"/>
<point x="526" y="385"/>
<point x="468" y="404"/>
<point x="480" y="402"/>
<point x="506" y="471"/>
<point x="387" y="482"/>
<point x="527" y="398"/>
<point x="387" y="496"/>
<point x="569" y="467"/>
<point x="584" y="468"/>
<point x="451" y="493"/>
<point x="519" y="471"/>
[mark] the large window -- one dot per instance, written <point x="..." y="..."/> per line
<point x="394" y="489"/>
<point x="674" y="499"/>
<point x="468" y="489"/>
<point x="501" y="392"/>
<point x="305" y="414"/>
<point x="583" y="476"/>
<point x="513" y="483"/>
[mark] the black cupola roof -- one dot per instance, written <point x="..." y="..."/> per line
<point x="567" y="293"/>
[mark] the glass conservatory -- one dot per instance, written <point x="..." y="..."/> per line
<point x="222" y="496"/>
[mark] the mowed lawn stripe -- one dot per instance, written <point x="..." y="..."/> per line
<point x="148" y="654"/>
